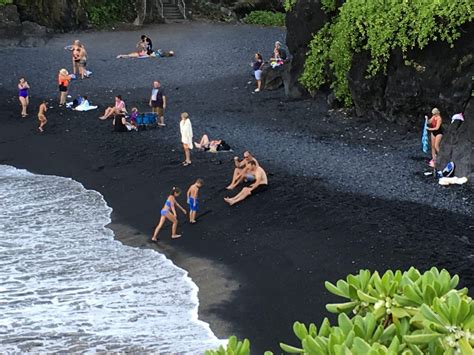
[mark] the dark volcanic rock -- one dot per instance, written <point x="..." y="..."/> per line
<point x="457" y="145"/>
<point x="305" y="19"/>
<point x="62" y="15"/>
<point x="10" y="25"/>
<point x="437" y="76"/>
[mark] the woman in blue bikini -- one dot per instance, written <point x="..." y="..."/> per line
<point x="23" y="96"/>
<point x="169" y="212"/>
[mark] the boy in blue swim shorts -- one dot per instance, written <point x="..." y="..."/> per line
<point x="193" y="199"/>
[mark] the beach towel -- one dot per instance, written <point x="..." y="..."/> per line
<point x="424" y="137"/>
<point x="445" y="181"/>
<point x="85" y="106"/>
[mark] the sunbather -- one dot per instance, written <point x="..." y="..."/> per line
<point x="241" y="171"/>
<point x="260" y="185"/>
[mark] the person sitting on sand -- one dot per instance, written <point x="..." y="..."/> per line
<point x="148" y="44"/>
<point x="241" y="171"/>
<point x="23" y="88"/>
<point x="436" y="129"/>
<point x="139" y="53"/>
<point x="193" y="199"/>
<point x="260" y="185"/>
<point x="42" y="115"/>
<point x="121" y="124"/>
<point x="118" y="108"/>
<point x="168" y="212"/>
<point x="63" y="80"/>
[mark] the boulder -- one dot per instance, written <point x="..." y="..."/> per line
<point x="64" y="15"/>
<point x="457" y="145"/>
<point x="10" y="24"/>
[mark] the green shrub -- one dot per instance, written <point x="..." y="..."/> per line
<point x="5" y="2"/>
<point x="377" y="27"/>
<point x="397" y="313"/>
<point x="265" y="18"/>
<point x="103" y="12"/>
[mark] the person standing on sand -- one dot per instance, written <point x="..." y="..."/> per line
<point x="169" y="212"/>
<point x="436" y="129"/>
<point x="23" y="96"/>
<point x="41" y="115"/>
<point x="186" y="137"/>
<point x="193" y="199"/>
<point x="260" y="185"/>
<point x="63" y="80"/>
<point x="241" y="172"/>
<point x="158" y="102"/>
<point x="257" y="69"/>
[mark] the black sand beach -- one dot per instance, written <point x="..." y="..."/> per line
<point x="345" y="193"/>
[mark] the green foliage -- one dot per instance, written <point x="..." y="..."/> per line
<point x="405" y="313"/>
<point x="5" y="2"/>
<point x="265" y="18"/>
<point x="103" y="12"/>
<point x="234" y="347"/>
<point x="328" y="5"/>
<point x="289" y="4"/>
<point x="378" y="27"/>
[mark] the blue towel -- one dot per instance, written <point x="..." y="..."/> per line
<point x="424" y="137"/>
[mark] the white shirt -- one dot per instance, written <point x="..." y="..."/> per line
<point x="186" y="132"/>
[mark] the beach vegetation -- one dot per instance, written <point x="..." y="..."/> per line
<point x="395" y="313"/>
<point x="265" y="18"/>
<point x="104" y="12"/>
<point x="378" y="27"/>
<point x="5" y="2"/>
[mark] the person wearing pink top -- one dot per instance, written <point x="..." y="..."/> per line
<point x="117" y="109"/>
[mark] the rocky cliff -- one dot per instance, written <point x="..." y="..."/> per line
<point x="63" y="15"/>
<point x="438" y="75"/>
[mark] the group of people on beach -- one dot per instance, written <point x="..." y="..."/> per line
<point x="277" y="58"/>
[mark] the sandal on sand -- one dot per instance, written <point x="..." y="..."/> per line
<point x="176" y="236"/>
<point x="186" y="163"/>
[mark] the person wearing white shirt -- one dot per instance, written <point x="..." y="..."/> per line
<point x="186" y="137"/>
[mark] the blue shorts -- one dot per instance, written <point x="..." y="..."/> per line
<point x="193" y="204"/>
<point x="164" y="212"/>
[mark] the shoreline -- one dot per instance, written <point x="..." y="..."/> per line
<point x="325" y="216"/>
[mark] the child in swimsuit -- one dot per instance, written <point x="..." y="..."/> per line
<point x="193" y="199"/>
<point x="23" y="96"/>
<point x="41" y="115"/>
<point x="169" y="212"/>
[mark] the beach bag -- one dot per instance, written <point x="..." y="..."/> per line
<point x="448" y="171"/>
<point x="424" y="137"/>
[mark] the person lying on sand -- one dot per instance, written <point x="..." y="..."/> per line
<point x="118" y="108"/>
<point x="260" y="185"/>
<point x="168" y="212"/>
<point x="139" y="53"/>
<point x="206" y="144"/>
<point x="42" y="115"/>
<point x="193" y="199"/>
<point x="241" y="171"/>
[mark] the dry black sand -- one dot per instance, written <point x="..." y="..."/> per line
<point x="345" y="194"/>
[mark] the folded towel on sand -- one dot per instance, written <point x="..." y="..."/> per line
<point x="84" y="106"/>
<point x="445" y="181"/>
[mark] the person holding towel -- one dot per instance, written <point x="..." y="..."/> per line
<point x="186" y="137"/>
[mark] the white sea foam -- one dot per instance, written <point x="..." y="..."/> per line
<point x="67" y="285"/>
